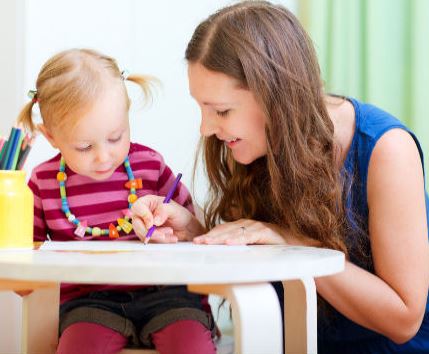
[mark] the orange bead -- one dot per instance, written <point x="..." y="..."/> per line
<point x="113" y="233"/>
<point x="134" y="183"/>
<point x="61" y="176"/>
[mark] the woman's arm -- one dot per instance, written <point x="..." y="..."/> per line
<point x="391" y="302"/>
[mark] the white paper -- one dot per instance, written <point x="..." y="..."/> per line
<point x="112" y="246"/>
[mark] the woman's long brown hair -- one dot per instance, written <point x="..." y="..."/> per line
<point x="297" y="185"/>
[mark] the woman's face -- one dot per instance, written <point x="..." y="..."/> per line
<point x="229" y="112"/>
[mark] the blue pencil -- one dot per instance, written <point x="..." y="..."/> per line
<point x="11" y="158"/>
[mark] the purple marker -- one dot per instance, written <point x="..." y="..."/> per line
<point x="166" y="200"/>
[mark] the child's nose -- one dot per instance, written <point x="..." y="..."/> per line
<point x="102" y="155"/>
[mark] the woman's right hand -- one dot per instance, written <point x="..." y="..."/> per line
<point x="174" y="222"/>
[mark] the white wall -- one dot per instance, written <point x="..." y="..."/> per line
<point x="12" y="51"/>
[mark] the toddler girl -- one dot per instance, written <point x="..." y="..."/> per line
<point x="85" y="192"/>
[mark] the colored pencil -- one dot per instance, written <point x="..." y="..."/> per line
<point x="23" y="156"/>
<point x="12" y="152"/>
<point x="17" y="151"/>
<point x="6" y="154"/>
<point x="166" y="200"/>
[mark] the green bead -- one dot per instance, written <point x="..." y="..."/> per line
<point x="96" y="231"/>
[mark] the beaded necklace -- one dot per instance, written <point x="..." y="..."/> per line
<point x="82" y="227"/>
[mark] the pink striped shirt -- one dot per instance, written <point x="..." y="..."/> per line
<point x="97" y="202"/>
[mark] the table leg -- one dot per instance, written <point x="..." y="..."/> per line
<point x="40" y="317"/>
<point x="300" y="312"/>
<point x="255" y="315"/>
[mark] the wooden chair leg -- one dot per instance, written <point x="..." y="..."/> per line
<point x="40" y="319"/>
<point x="300" y="310"/>
<point x="10" y="322"/>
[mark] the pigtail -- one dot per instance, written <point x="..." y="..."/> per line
<point x="25" y="117"/>
<point x="145" y="82"/>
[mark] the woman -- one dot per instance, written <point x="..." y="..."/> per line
<point x="288" y="163"/>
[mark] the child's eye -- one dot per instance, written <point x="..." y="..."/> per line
<point x="84" y="148"/>
<point x="115" y="140"/>
<point x="223" y="113"/>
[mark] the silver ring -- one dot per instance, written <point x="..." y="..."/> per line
<point x="243" y="230"/>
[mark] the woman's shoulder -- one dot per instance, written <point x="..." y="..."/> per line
<point x="374" y="121"/>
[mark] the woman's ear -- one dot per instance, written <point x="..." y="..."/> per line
<point x="47" y="134"/>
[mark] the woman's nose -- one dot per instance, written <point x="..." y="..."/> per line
<point x="208" y="125"/>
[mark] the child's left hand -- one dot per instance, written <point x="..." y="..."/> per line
<point x="243" y="232"/>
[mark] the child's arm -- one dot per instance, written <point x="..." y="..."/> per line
<point x="40" y="228"/>
<point x="391" y="301"/>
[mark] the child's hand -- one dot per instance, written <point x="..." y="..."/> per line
<point x="171" y="219"/>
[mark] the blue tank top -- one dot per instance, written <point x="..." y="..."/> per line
<point x="337" y="334"/>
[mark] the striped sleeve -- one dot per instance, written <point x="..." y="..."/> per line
<point x="40" y="229"/>
<point x="166" y="180"/>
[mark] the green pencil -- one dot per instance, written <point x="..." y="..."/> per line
<point x="5" y="157"/>
<point x="3" y="150"/>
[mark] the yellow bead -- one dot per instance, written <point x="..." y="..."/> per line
<point x="96" y="231"/>
<point x="61" y="176"/>
<point x="125" y="225"/>
<point x="132" y="198"/>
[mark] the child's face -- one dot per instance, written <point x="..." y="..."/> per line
<point x="100" y="140"/>
<point x="229" y="112"/>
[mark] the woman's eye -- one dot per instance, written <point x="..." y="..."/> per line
<point x="222" y="113"/>
<point x="115" y="140"/>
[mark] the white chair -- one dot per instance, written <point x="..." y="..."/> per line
<point x="39" y="320"/>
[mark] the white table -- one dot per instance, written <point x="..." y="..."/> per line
<point x="239" y="273"/>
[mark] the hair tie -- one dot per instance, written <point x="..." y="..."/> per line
<point x="124" y="74"/>
<point x="33" y="95"/>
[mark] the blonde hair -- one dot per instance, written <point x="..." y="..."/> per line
<point x="70" y="82"/>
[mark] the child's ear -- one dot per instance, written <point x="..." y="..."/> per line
<point x="47" y="134"/>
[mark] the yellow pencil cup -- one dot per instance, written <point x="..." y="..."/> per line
<point x="16" y="211"/>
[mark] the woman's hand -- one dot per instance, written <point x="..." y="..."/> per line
<point x="243" y="232"/>
<point x="174" y="222"/>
